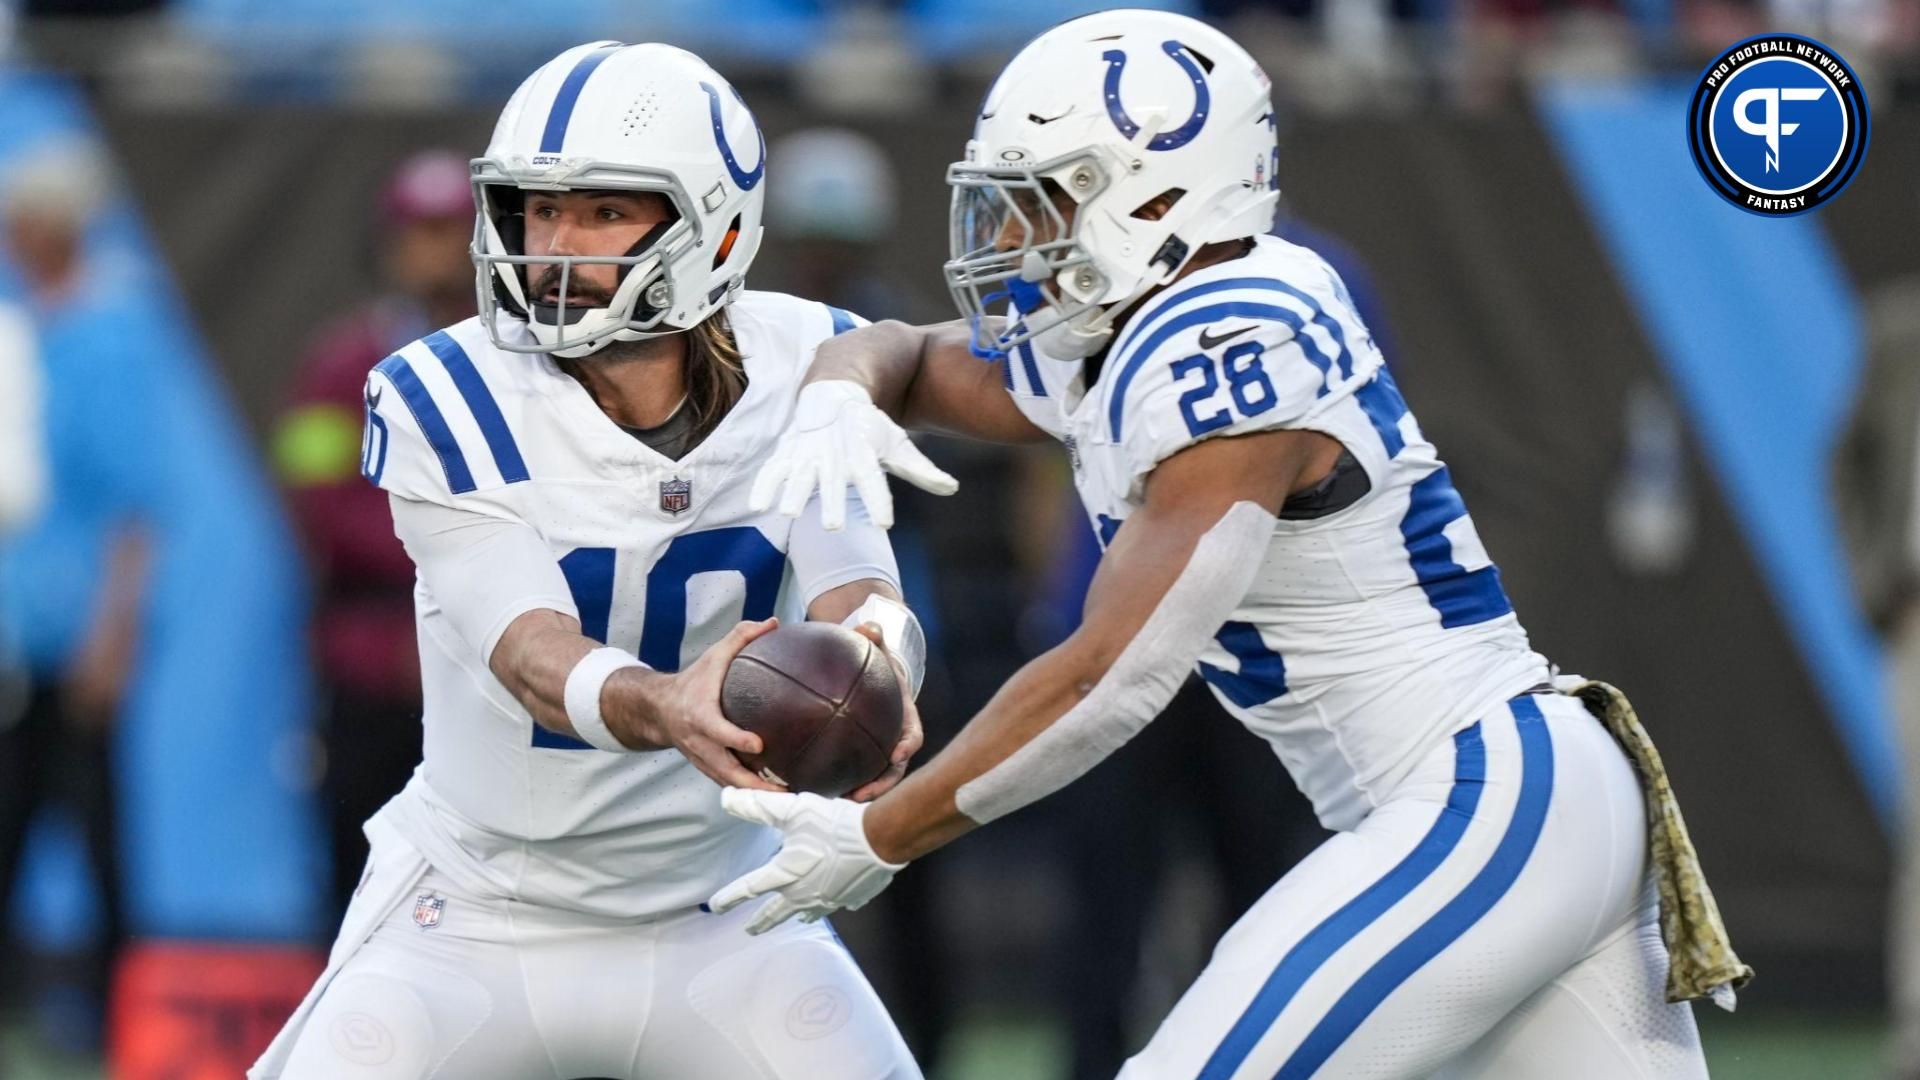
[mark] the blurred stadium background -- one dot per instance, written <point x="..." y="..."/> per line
<point x="1641" y="391"/>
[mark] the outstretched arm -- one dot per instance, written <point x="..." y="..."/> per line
<point x="1175" y="572"/>
<point x="863" y="386"/>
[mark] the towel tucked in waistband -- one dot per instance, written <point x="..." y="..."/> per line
<point x="1702" y="962"/>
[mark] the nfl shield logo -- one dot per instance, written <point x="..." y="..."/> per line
<point x="427" y="908"/>
<point x="676" y="495"/>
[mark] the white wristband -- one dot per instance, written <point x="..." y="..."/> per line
<point x="899" y="631"/>
<point x="584" y="684"/>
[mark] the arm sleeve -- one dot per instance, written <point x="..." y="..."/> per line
<point x="482" y="571"/>
<point x="824" y="560"/>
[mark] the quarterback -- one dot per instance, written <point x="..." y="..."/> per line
<point x="568" y="471"/>
<point x="1273" y="516"/>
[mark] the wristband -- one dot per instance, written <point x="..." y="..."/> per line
<point x="899" y="631"/>
<point x="582" y="695"/>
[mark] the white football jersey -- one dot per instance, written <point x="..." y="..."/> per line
<point x="661" y="558"/>
<point x="1370" y="632"/>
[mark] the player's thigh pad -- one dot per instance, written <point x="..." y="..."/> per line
<point x="1509" y="854"/>
<point x="417" y="1002"/>
<point x="1606" y="1019"/>
<point x="790" y="1004"/>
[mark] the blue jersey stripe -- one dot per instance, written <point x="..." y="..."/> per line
<point x="1319" y="945"/>
<point x="1138" y="325"/>
<point x="842" y="320"/>
<point x="479" y="399"/>
<point x="1130" y="367"/>
<point x="1263" y="672"/>
<point x="1025" y="351"/>
<point x="1458" y="916"/>
<point x="558" y="117"/>
<point x="425" y="413"/>
<point x="1462" y="597"/>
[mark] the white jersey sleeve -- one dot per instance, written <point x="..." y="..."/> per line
<point x="434" y="428"/>
<point x="482" y="571"/>
<point x="1234" y="356"/>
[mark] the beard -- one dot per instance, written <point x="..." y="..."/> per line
<point x="579" y="293"/>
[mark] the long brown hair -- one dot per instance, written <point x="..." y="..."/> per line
<point x="715" y="375"/>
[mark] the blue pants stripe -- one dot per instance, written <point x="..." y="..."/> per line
<point x="1336" y="930"/>
<point x="1458" y="916"/>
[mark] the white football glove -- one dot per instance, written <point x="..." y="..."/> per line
<point x="838" y="437"/>
<point x="824" y="864"/>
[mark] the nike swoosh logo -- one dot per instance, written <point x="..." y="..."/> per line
<point x="1208" y="341"/>
<point x="373" y="396"/>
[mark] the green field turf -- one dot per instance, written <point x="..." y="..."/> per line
<point x="1748" y="1046"/>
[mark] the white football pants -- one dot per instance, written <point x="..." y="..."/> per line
<point x="1492" y="920"/>
<point x="427" y="981"/>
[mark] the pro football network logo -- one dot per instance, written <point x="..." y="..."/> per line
<point x="1778" y="124"/>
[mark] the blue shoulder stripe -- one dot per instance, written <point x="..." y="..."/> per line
<point x="1202" y="316"/>
<point x="842" y="320"/>
<point x="486" y="411"/>
<point x="432" y="424"/>
<point x="555" y="134"/>
<point x="1138" y="326"/>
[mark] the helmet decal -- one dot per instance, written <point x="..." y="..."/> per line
<point x="742" y="178"/>
<point x="1170" y="140"/>
<point x="562" y="112"/>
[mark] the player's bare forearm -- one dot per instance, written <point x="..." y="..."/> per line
<point x="536" y="654"/>
<point x="837" y="603"/>
<point x="1187" y="495"/>
<point x="926" y="378"/>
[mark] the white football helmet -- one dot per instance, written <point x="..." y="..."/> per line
<point x="1116" y="109"/>
<point x="629" y="117"/>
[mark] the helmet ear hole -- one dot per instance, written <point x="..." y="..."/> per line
<point x="1156" y="208"/>
<point x="727" y="242"/>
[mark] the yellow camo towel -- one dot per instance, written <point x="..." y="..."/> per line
<point x="1703" y="964"/>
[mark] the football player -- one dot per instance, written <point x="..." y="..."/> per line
<point x="568" y="473"/>
<point x="1273" y="516"/>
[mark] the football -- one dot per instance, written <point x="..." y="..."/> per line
<point x="825" y="702"/>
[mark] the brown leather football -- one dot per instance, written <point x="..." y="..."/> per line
<point x="825" y="702"/>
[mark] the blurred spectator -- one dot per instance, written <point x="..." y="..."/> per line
<point x="73" y="583"/>
<point x="831" y="204"/>
<point x="23" y="465"/>
<point x="363" y="629"/>
<point x="1877" y="489"/>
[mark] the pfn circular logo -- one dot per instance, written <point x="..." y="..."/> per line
<point x="1778" y="124"/>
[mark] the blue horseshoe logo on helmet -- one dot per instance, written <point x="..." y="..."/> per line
<point x="1170" y="140"/>
<point x="741" y="177"/>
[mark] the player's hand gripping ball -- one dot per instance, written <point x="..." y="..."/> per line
<point x="825" y="702"/>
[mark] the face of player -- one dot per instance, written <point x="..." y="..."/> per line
<point x="1039" y="227"/>
<point x="586" y="223"/>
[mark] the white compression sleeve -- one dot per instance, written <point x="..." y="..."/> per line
<point x="1142" y="680"/>
<point x="482" y="571"/>
<point x="824" y="560"/>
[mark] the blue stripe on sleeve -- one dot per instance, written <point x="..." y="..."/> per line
<point x="558" y="117"/>
<point x="1205" y="316"/>
<point x="1380" y="399"/>
<point x="1458" y="916"/>
<point x="842" y="320"/>
<point x="432" y="424"/>
<point x="479" y="399"/>
<point x="1319" y="945"/>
